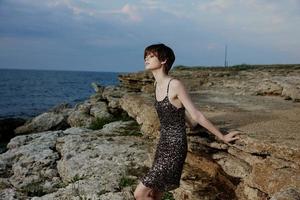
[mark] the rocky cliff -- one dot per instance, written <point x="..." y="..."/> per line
<point x="99" y="148"/>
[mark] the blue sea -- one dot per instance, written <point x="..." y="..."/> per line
<point x="28" y="93"/>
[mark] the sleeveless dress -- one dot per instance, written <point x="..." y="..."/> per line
<point x="171" y="150"/>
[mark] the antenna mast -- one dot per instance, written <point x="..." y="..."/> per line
<point x="226" y="63"/>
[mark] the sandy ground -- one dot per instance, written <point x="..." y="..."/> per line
<point x="269" y="118"/>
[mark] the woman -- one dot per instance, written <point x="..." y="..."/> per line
<point x="171" y="101"/>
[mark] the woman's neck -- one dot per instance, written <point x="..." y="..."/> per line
<point x="159" y="76"/>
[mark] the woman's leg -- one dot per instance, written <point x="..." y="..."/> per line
<point x="143" y="192"/>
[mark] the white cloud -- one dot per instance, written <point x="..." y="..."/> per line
<point x="84" y="7"/>
<point x="132" y="12"/>
<point x="215" y="6"/>
<point x="71" y="5"/>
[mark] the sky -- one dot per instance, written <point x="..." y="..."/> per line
<point x="111" y="35"/>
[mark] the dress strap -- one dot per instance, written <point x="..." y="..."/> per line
<point x="168" y="86"/>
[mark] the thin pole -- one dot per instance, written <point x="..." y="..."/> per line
<point x="225" y="63"/>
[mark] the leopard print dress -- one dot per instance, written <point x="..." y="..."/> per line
<point x="171" y="150"/>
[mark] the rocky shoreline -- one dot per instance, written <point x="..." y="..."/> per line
<point x="99" y="148"/>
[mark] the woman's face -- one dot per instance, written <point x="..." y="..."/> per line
<point x="152" y="62"/>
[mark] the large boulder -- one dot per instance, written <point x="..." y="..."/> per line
<point x="142" y="110"/>
<point x="85" y="113"/>
<point x="43" y="122"/>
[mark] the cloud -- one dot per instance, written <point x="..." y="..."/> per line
<point x="71" y="5"/>
<point x="83" y="7"/>
<point x="80" y="32"/>
<point x="132" y="12"/>
<point x="215" y="6"/>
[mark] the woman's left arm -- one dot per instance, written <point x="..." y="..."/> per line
<point x="196" y="115"/>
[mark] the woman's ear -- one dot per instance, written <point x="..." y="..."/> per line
<point x="164" y="62"/>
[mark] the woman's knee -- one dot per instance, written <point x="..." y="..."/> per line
<point x="140" y="192"/>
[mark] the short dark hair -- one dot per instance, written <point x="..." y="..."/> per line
<point x="163" y="53"/>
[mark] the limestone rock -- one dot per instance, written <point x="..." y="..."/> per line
<point x="287" y="194"/>
<point x="97" y="87"/>
<point x="74" y="163"/>
<point x="143" y="111"/>
<point x="43" y="122"/>
<point x="134" y="82"/>
<point x="99" y="110"/>
<point x="79" y="119"/>
<point x="267" y="87"/>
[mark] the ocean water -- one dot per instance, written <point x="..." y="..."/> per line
<point x="27" y="93"/>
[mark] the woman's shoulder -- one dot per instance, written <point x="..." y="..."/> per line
<point x="175" y="81"/>
<point x="177" y="84"/>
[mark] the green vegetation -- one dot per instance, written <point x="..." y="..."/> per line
<point x="168" y="196"/>
<point x="102" y="192"/>
<point x="126" y="181"/>
<point x="34" y="189"/>
<point x="242" y="66"/>
<point x="76" y="178"/>
<point x="132" y="129"/>
<point x="98" y="123"/>
<point x="60" y="185"/>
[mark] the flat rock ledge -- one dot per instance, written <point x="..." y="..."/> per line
<point x="247" y="169"/>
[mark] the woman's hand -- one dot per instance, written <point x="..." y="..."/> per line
<point x="231" y="136"/>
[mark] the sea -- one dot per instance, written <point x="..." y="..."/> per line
<point x="28" y="93"/>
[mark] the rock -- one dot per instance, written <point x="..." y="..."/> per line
<point x="9" y="193"/>
<point x="30" y="161"/>
<point x="84" y="107"/>
<point x="291" y="92"/>
<point x="97" y="87"/>
<point x="85" y="113"/>
<point x="272" y="176"/>
<point x="267" y="87"/>
<point x="80" y="119"/>
<point x="231" y="165"/>
<point x="43" y="122"/>
<point x="134" y="82"/>
<point x="287" y="194"/>
<point x="99" y="110"/>
<point x="141" y="109"/>
<point x="263" y="149"/>
<point x="98" y="96"/>
<point x="74" y="163"/>
<point x="60" y="108"/>
<point x="290" y="85"/>
<point x="244" y="192"/>
<point x="113" y="94"/>
<point x="202" y="178"/>
<point x="121" y="128"/>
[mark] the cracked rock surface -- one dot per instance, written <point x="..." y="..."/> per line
<point x="76" y="162"/>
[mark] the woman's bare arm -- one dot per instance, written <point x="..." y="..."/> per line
<point x="188" y="119"/>
<point x="196" y="115"/>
